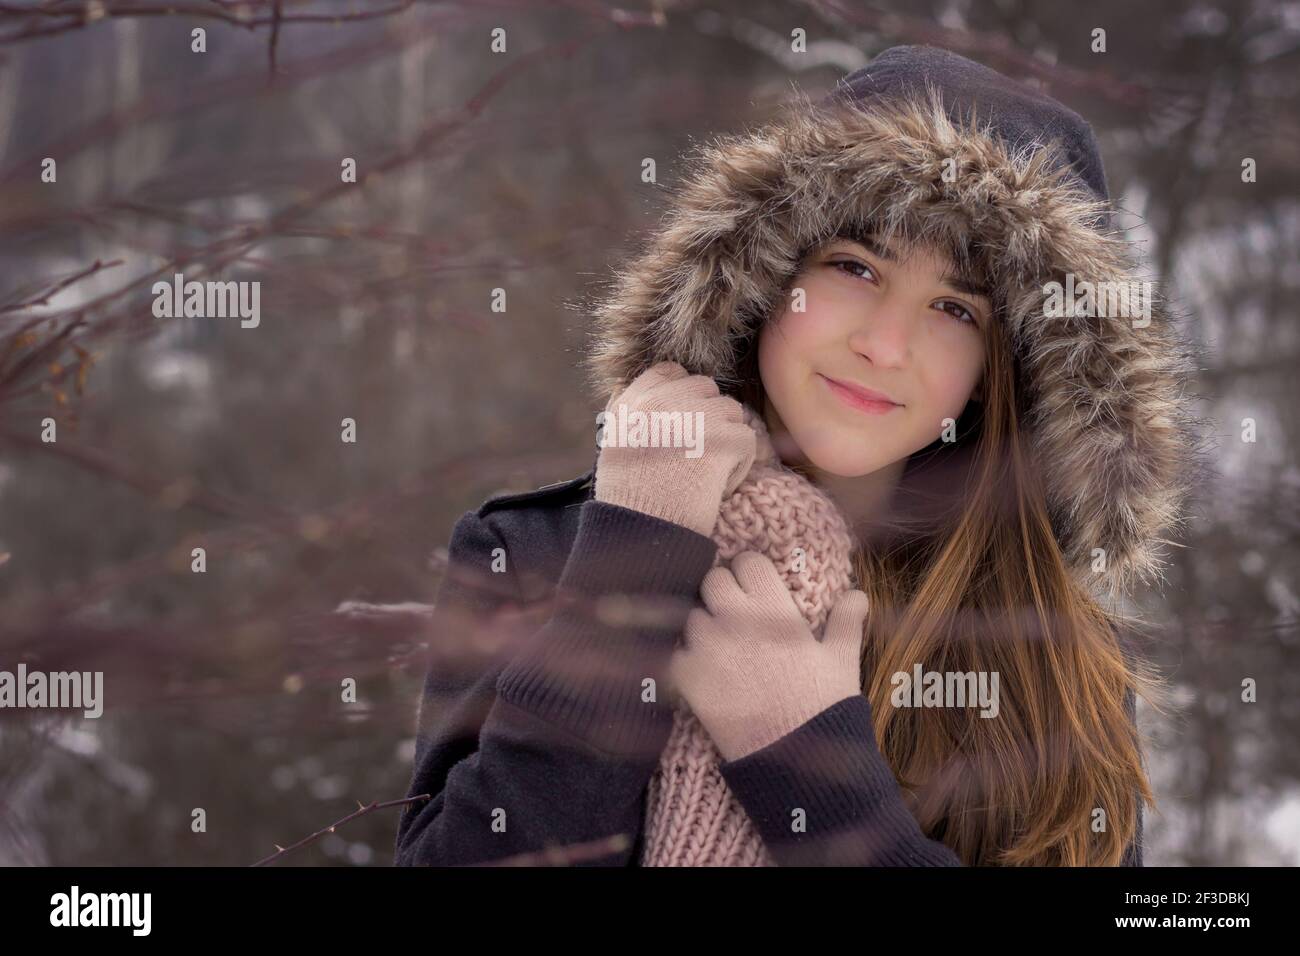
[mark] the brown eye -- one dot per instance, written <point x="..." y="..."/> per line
<point x="852" y="264"/>
<point x="961" y="313"/>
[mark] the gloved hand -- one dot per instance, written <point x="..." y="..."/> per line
<point x="751" y="669"/>
<point x="664" y="482"/>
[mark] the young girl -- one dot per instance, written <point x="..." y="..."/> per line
<point x="871" y="619"/>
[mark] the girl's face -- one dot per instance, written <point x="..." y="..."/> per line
<point x="891" y="320"/>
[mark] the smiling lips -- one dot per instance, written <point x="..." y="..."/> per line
<point x="862" y="399"/>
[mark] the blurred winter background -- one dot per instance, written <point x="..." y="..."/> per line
<point x="522" y="171"/>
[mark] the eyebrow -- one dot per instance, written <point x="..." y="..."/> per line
<point x="952" y="280"/>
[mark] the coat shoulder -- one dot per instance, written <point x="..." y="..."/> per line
<point x="537" y="529"/>
<point x="556" y="494"/>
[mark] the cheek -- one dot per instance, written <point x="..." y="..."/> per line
<point x="786" y="345"/>
<point x="779" y="351"/>
<point x="952" y="370"/>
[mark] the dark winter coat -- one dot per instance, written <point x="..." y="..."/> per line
<point x="562" y="763"/>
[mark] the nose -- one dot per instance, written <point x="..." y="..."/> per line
<point x="884" y="335"/>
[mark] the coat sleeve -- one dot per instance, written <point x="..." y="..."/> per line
<point x="824" y="795"/>
<point x="553" y="745"/>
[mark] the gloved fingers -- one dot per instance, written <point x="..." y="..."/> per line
<point x="655" y="377"/>
<point x="763" y="583"/>
<point x="843" y="634"/>
<point x="698" y="628"/>
<point x="720" y="591"/>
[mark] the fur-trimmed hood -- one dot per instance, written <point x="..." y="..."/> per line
<point x="1109" y="420"/>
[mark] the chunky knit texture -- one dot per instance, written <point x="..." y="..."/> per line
<point x="692" y="817"/>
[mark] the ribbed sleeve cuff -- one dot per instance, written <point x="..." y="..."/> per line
<point x="852" y="814"/>
<point x="621" y="603"/>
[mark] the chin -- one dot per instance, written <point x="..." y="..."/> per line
<point x="843" y="468"/>
<point x="834" y="455"/>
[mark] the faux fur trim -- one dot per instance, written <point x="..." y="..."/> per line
<point x="1109" y="421"/>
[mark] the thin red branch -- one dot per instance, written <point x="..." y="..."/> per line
<point x="77" y="14"/>
<point x="58" y="287"/>
<point x="324" y="831"/>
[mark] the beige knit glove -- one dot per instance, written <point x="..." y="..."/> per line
<point x="667" y="482"/>
<point x="751" y="669"/>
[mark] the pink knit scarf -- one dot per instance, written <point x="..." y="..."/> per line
<point x="692" y="817"/>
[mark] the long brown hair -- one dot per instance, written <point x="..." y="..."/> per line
<point x="965" y="574"/>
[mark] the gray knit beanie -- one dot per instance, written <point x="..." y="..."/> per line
<point x="1019" y="115"/>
